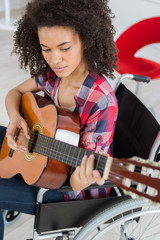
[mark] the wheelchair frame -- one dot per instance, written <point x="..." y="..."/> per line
<point x="88" y="215"/>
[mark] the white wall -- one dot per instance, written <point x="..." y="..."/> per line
<point x="128" y="12"/>
<point x="13" y="3"/>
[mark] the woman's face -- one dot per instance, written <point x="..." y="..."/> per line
<point x="62" y="50"/>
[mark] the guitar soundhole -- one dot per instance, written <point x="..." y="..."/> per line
<point x="33" y="141"/>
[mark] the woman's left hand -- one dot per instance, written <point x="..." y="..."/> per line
<point x="85" y="175"/>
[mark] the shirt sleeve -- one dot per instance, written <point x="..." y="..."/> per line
<point x="99" y="129"/>
<point x="41" y="84"/>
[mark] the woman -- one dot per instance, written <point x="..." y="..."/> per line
<point x="68" y="47"/>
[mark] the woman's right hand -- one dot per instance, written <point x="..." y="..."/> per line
<point x="13" y="100"/>
<point x="16" y="124"/>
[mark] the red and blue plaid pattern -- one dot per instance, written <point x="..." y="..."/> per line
<point x="97" y="108"/>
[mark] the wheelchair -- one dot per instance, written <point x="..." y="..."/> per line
<point x="118" y="216"/>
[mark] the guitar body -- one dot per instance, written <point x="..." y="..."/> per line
<point x="44" y="118"/>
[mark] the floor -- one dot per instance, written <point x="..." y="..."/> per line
<point x="11" y="75"/>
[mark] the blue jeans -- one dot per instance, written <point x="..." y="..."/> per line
<point x="16" y="195"/>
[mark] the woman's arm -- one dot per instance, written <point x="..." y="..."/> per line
<point x="12" y="102"/>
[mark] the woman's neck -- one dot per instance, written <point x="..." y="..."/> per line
<point x="77" y="78"/>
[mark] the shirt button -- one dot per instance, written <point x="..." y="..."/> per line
<point x="99" y="138"/>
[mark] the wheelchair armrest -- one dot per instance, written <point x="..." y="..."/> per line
<point x="66" y="186"/>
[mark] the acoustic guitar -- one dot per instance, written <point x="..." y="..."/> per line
<point x="52" y="149"/>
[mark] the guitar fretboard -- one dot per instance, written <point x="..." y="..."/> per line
<point x="64" y="152"/>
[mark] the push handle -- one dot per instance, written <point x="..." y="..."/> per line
<point x="138" y="78"/>
<point x="141" y="78"/>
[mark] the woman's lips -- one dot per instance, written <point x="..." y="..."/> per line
<point x="58" y="69"/>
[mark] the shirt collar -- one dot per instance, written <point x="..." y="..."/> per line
<point x="83" y="92"/>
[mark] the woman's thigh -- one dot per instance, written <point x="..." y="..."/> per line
<point x="16" y="195"/>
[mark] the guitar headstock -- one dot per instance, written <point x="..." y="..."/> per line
<point x="136" y="176"/>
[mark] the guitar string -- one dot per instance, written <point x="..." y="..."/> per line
<point x="62" y="156"/>
<point x="120" y="178"/>
<point x="115" y="166"/>
<point x="136" y="164"/>
<point x="73" y="158"/>
<point x="62" y="147"/>
<point x="79" y="161"/>
<point x="101" y="165"/>
<point x="48" y="138"/>
<point x="31" y="142"/>
<point x="112" y="175"/>
<point x="42" y="144"/>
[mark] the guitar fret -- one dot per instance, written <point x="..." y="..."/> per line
<point x="57" y="150"/>
<point x="72" y="155"/>
<point x="61" y="152"/>
<point x="53" y="150"/>
<point x="42" y="145"/>
<point x="82" y="153"/>
<point x="79" y="151"/>
<point x="69" y="152"/>
<point x="45" y="144"/>
<point x="51" y="145"/>
<point x="65" y="152"/>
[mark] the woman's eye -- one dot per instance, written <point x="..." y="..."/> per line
<point x="65" y="49"/>
<point x="45" y="50"/>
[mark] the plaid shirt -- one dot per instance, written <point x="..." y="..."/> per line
<point x="97" y="108"/>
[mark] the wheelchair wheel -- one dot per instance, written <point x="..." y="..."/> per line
<point x="128" y="220"/>
<point x="10" y="216"/>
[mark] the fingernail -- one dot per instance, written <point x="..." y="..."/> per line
<point x="85" y="158"/>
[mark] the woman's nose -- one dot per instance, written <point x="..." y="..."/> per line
<point x="56" y="58"/>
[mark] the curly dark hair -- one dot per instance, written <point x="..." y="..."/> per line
<point x="91" y="19"/>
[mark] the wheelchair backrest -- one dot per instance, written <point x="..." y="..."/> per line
<point x="136" y="128"/>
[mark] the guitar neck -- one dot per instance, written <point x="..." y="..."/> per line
<point x="66" y="153"/>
